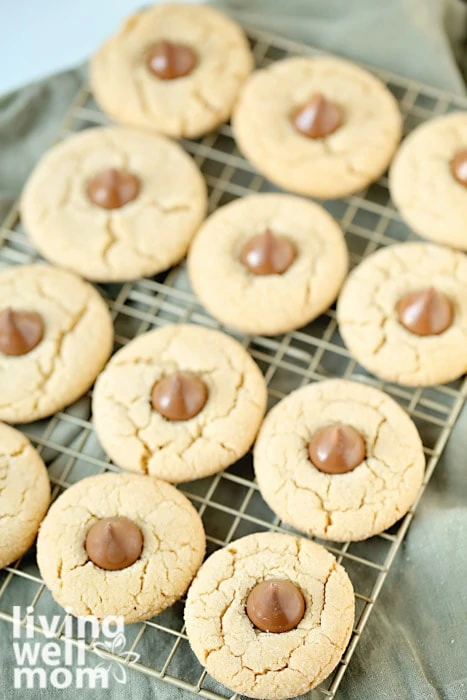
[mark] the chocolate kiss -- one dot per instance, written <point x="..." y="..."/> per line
<point x="112" y="188"/>
<point x="20" y="331"/>
<point x="169" y="61"/>
<point x="426" y="312"/>
<point x="180" y="396"/>
<point x="459" y="167"/>
<point x="275" y="606"/>
<point x="268" y="254"/>
<point x="114" y="543"/>
<point x="337" y="449"/>
<point x="318" y="117"/>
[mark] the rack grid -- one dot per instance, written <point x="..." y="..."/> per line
<point x="229" y="502"/>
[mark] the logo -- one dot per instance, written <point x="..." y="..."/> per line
<point x="63" y="664"/>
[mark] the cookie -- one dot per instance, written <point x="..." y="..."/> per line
<point x="268" y="263"/>
<point x="55" y="337"/>
<point x="270" y="615"/>
<point x="321" y="127"/>
<point x="120" y="544"/>
<point x="428" y="180"/>
<point x="339" y="460"/>
<point x="179" y="403"/>
<point x="173" y="68"/>
<point x="403" y="314"/>
<point x="114" y="204"/>
<point x="24" y="494"/>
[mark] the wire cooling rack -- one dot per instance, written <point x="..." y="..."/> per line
<point x="230" y="503"/>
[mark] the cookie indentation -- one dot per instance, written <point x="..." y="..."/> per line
<point x="169" y="61"/>
<point x="337" y="449"/>
<point x="273" y="282"/>
<point x="428" y="178"/>
<point x="112" y="188"/>
<point x="268" y="254"/>
<point x="320" y="127"/>
<point x="180" y="396"/>
<point x="145" y="538"/>
<point x="275" y="606"/>
<point x="49" y="372"/>
<point x="318" y="118"/>
<point x="114" y="543"/>
<point x="340" y="506"/>
<point x="426" y="312"/>
<point x="114" y="204"/>
<point x="259" y="664"/>
<point x="174" y="68"/>
<point x="173" y="445"/>
<point x="370" y="322"/>
<point x="20" y="331"/>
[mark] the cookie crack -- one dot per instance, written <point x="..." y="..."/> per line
<point x="140" y="93"/>
<point x="386" y="495"/>
<point x="413" y="345"/>
<point x="197" y="96"/>
<point x="49" y="297"/>
<point x="378" y="429"/>
<point x="18" y="508"/>
<point x="15" y="453"/>
<point x="169" y="209"/>
<point x="301" y="641"/>
<point x="332" y="570"/>
<point x="111" y="240"/>
<point x="344" y="158"/>
<point x="46" y="376"/>
<point x="204" y="422"/>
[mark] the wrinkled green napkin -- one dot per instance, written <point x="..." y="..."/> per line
<point x="415" y="644"/>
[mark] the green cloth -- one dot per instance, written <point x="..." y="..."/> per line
<point x="415" y="644"/>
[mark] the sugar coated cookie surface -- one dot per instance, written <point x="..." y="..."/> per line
<point x="146" y="537"/>
<point x="268" y="263"/>
<point x="339" y="460"/>
<point x="321" y="126"/>
<point x="114" y="204"/>
<point x="173" y="68"/>
<point x="55" y="336"/>
<point x="24" y="494"/>
<point x="180" y="403"/>
<point x="428" y="180"/>
<point x="403" y="314"/>
<point x="267" y="664"/>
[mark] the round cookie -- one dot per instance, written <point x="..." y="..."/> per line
<point x="114" y="204"/>
<point x="55" y="337"/>
<point x="158" y="573"/>
<point x="371" y="325"/>
<point x="300" y="251"/>
<point x="24" y="494"/>
<point x="179" y="403"/>
<point x="173" y="68"/>
<point x="266" y="664"/>
<point x="303" y="475"/>
<point x="428" y="180"/>
<point x="322" y="126"/>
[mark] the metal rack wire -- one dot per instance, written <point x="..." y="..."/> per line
<point x="229" y="502"/>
